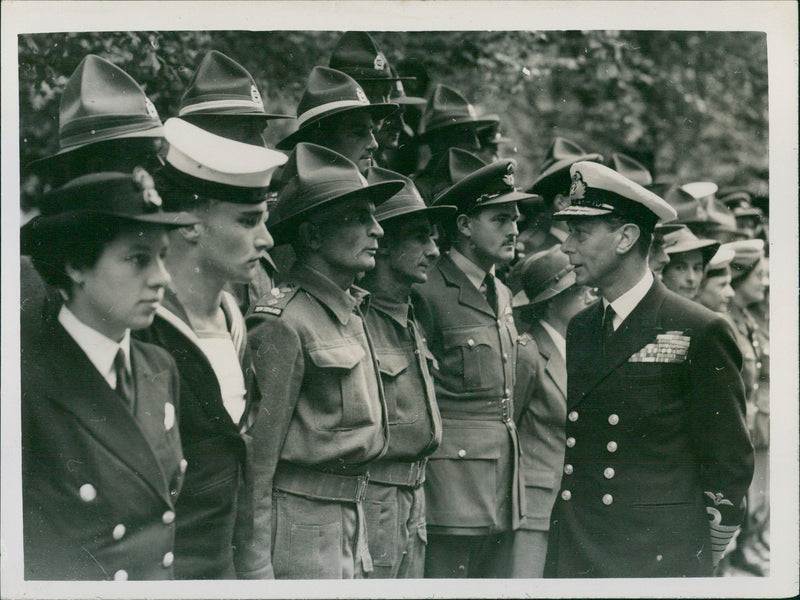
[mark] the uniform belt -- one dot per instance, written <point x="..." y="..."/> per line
<point x="477" y="410"/>
<point x="407" y="474"/>
<point x="295" y="479"/>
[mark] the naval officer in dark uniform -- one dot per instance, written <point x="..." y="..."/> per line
<point x="658" y="457"/>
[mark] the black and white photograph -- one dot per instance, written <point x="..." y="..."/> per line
<point x="299" y="297"/>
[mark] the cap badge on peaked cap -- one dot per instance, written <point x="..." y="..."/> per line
<point x="145" y="182"/>
<point x="508" y="178"/>
<point x="577" y="190"/>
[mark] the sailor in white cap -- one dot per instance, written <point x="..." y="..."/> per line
<point x="223" y="183"/>
<point x="658" y="457"/>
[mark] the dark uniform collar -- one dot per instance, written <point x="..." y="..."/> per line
<point x="340" y="302"/>
<point x="398" y="311"/>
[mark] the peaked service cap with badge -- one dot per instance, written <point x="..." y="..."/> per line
<point x="446" y="109"/>
<point x="221" y="86"/>
<point x="554" y="175"/>
<point x="542" y="275"/>
<point x="205" y="165"/>
<point x="405" y="202"/>
<point x="101" y="102"/>
<point x="488" y="186"/>
<point x="598" y="190"/>
<point x="314" y="177"/>
<point x="632" y="169"/>
<point x="330" y="92"/>
<point x="683" y="240"/>
<point x="453" y="166"/>
<point x="357" y="54"/>
<point x="132" y="197"/>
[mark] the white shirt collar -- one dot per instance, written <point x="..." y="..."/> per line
<point x="558" y="339"/>
<point x="474" y="273"/>
<point x="100" y="349"/>
<point x="624" y="305"/>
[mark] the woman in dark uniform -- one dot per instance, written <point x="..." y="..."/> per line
<point x="101" y="455"/>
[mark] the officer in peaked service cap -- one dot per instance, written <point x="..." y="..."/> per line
<point x="648" y="373"/>
<point x="474" y="490"/>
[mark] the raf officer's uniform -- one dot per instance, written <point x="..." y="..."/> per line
<point x="325" y="413"/>
<point x="658" y="459"/>
<point x="474" y="491"/>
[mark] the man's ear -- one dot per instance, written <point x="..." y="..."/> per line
<point x="463" y="223"/>
<point x="190" y="233"/>
<point x="309" y="236"/>
<point x="628" y="236"/>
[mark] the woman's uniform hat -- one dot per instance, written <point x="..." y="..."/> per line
<point x="554" y="176"/>
<point x="747" y="254"/>
<point x="313" y="178"/>
<point x="597" y="190"/>
<point x="132" y="197"/>
<point x="542" y="276"/>
<point x="405" y="202"/>
<point x="330" y="92"/>
<point x="488" y="186"/>
<point x="683" y="240"/>
<point x="491" y="136"/>
<point x="101" y="102"/>
<point x="446" y="109"/>
<point x="206" y="165"/>
<point x="722" y="258"/>
<point x="632" y="169"/>
<point x="398" y="93"/>
<point x="221" y="86"/>
<point x="357" y="54"/>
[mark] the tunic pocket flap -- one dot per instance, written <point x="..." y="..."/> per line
<point x="537" y="478"/>
<point x="469" y="338"/>
<point x="393" y="364"/>
<point x="338" y="357"/>
<point x="467" y="444"/>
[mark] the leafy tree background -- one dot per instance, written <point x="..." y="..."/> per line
<point x="690" y="105"/>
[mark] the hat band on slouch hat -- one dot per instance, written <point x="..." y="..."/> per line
<point x="230" y="104"/>
<point x="99" y="128"/>
<point x="316" y="111"/>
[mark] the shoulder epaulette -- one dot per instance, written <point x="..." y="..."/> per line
<point x="276" y="300"/>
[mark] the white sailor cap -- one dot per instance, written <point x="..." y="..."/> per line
<point x="203" y="155"/>
<point x="598" y="190"/>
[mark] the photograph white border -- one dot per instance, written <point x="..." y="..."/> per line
<point x="777" y="18"/>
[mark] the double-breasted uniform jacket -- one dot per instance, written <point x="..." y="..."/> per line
<point x="657" y="446"/>
<point x="474" y="484"/>
<point x="323" y="403"/>
<point x="542" y="396"/>
<point x="215" y="509"/>
<point x="99" y="483"/>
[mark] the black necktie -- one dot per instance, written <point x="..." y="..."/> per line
<point x="491" y="291"/>
<point x="608" y="326"/>
<point x="124" y="380"/>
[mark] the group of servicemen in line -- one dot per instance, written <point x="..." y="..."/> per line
<point x="437" y="374"/>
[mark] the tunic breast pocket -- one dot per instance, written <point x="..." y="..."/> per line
<point x="470" y="354"/>
<point x="397" y="388"/>
<point x="344" y="394"/>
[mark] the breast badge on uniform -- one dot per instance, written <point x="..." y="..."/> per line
<point x="669" y="347"/>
